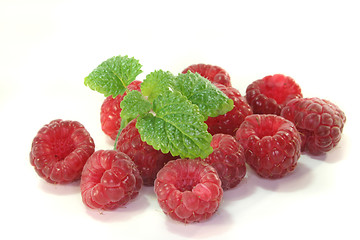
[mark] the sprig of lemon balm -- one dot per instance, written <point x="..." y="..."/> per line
<point x="171" y="110"/>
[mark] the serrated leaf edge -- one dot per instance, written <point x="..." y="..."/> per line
<point x="188" y="154"/>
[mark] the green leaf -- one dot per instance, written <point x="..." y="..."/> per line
<point x="112" y="76"/>
<point x="200" y="91"/>
<point x="156" y="83"/>
<point x="211" y="101"/>
<point x="176" y="127"/>
<point x="132" y="105"/>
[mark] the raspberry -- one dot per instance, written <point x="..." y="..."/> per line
<point x="214" y="73"/>
<point x="271" y="143"/>
<point x="109" y="180"/>
<point x="228" y="159"/>
<point x="270" y="94"/>
<point x="148" y="160"/>
<point x="110" y="111"/>
<point x="60" y="150"/>
<point x="230" y="121"/>
<point x="319" y="122"/>
<point x="188" y="190"/>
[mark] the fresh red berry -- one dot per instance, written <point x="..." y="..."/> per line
<point x="319" y="122"/>
<point x="230" y="121"/>
<point x="148" y="160"/>
<point x="272" y="144"/>
<point x="60" y="150"/>
<point x="188" y="190"/>
<point x="228" y="159"/>
<point x="270" y="94"/>
<point x="109" y="180"/>
<point x="110" y="111"/>
<point x="214" y="73"/>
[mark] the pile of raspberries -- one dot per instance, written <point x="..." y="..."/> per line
<point x="267" y="130"/>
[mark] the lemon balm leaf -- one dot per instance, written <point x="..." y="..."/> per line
<point x="113" y="76"/>
<point x="175" y="126"/>
<point x="156" y="83"/>
<point x="133" y="105"/>
<point x="211" y="101"/>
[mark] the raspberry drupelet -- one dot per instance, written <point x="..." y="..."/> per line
<point x="213" y="73"/>
<point x="60" y="150"/>
<point x="147" y="159"/>
<point x="269" y="94"/>
<point x="230" y="121"/>
<point x="319" y="121"/>
<point x="109" y="180"/>
<point x="110" y="111"/>
<point x="272" y="144"/>
<point x="228" y="159"/>
<point x="188" y="190"/>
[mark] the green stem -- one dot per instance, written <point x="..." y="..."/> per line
<point x="116" y="139"/>
<point x="121" y="125"/>
<point x="118" y="134"/>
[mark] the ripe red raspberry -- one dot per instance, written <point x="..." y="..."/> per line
<point x="214" y="73"/>
<point x="270" y="94"/>
<point x="271" y="143"/>
<point x="228" y="159"/>
<point x="148" y="160"/>
<point x="109" y="180"/>
<point x="110" y="111"/>
<point x="319" y="122"/>
<point x="230" y="121"/>
<point x="60" y="150"/>
<point x="188" y="190"/>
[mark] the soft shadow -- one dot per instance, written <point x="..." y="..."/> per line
<point x="216" y="225"/>
<point x="132" y="209"/>
<point x="320" y="157"/>
<point x="340" y="151"/>
<point x="336" y="154"/>
<point x="148" y="191"/>
<point x="109" y="141"/>
<point x="60" y="189"/>
<point x="299" y="179"/>
<point x="243" y="190"/>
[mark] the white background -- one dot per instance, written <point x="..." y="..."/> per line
<point x="48" y="47"/>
